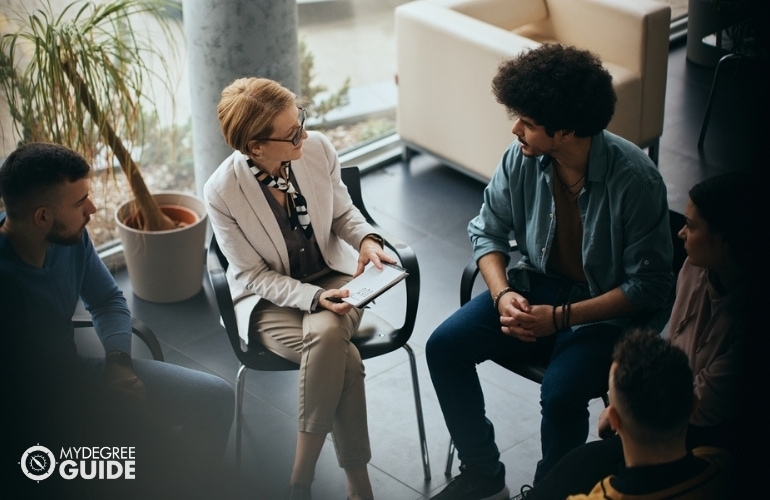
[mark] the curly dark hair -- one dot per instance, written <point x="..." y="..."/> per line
<point x="33" y="169"/>
<point x="653" y="385"/>
<point x="560" y="87"/>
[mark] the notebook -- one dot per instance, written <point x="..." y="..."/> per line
<point x="372" y="283"/>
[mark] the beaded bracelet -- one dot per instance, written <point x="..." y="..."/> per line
<point x="565" y="316"/>
<point x="499" y="296"/>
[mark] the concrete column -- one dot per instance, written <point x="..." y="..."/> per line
<point x="227" y="40"/>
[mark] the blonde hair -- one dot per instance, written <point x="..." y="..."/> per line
<point x="247" y="108"/>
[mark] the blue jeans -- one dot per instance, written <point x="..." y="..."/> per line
<point x="577" y="372"/>
<point x="198" y="406"/>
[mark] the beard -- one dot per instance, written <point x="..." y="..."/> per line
<point x="59" y="236"/>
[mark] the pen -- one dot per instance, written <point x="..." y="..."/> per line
<point x="336" y="300"/>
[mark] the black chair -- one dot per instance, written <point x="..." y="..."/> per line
<point x="534" y="369"/>
<point x="138" y="328"/>
<point x="375" y="335"/>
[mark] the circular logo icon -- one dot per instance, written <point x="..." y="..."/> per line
<point x="38" y="463"/>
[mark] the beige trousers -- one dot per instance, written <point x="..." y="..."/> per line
<point x="331" y="374"/>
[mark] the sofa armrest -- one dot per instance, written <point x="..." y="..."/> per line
<point x="634" y="35"/>
<point x="618" y="31"/>
<point x="437" y="20"/>
<point x="444" y="54"/>
<point x="501" y="13"/>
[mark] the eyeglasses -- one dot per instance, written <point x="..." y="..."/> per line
<point x="297" y="135"/>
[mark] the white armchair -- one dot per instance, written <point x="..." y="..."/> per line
<point x="448" y="52"/>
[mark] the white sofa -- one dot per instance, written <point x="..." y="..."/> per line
<point x="448" y="52"/>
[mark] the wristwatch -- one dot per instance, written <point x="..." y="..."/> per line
<point x="119" y="357"/>
<point x="377" y="238"/>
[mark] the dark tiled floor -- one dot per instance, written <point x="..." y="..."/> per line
<point x="429" y="205"/>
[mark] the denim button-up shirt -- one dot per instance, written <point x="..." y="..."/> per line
<point x="623" y="209"/>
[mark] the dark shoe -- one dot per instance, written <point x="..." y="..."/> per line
<point x="471" y="485"/>
<point x="299" y="491"/>
<point x="523" y="493"/>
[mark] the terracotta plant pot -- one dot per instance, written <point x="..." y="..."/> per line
<point x="179" y="214"/>
<point x="166" y="266"/>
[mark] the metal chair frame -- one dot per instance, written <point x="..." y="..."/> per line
<point x="138" y="328"/>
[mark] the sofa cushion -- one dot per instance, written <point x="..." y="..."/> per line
<point x="506" y="14"/>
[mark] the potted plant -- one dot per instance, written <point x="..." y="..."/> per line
<point x="80" y="77"/>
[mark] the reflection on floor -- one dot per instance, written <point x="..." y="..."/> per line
<point x="429" y="205"/>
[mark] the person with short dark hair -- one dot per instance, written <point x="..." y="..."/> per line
<point x="46" y="255"/>
<point x="589" y="212"/>
<point x="651" y="400"/>
<point x="709" y="322"/>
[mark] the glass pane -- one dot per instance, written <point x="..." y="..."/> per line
<point x="351" y="45"/>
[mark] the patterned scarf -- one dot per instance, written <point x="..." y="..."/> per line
<point x="296" y="202"/>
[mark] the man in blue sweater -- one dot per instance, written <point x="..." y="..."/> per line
<point x="47" y="265"/>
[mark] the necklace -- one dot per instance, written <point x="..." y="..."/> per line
<point x="564" y="187"/>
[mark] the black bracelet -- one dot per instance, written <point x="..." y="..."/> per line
<point x="564" y="316"/>
<point x="496" y="300"/>
<point x="569" y="311"/>
<point x="553" y="317"/>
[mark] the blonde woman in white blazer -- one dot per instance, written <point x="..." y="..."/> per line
<point x="285" y="222"/>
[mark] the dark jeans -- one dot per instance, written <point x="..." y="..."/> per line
<point x="577" y="372"/>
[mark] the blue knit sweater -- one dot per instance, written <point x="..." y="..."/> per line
<point x="49" y="296"/>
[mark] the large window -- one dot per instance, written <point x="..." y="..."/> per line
<point x="348" y="47"/>
<point x="351" y="44"/>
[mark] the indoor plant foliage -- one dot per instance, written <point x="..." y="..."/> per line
<point x="311" y="91"/>
<point x="79" y="77"/>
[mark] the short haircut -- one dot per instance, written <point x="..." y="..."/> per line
<point x="31" y="173"/>
<point x="653" y="386"/>
<point x="247" y="108"/>
<point x="560" y="87"/>
<point x="729" y="203"/>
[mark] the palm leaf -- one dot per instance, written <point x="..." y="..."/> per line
<point x="79" y="77"/>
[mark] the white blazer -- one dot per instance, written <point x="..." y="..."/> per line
<point x="250" y="238"/>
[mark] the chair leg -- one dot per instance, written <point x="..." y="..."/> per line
<point x="653" y="151"/>
<point x="418" y="408"/>
<point x="723" y="62"/>
<point x="449" y="458"/>
<point x="240" y="378"/>
<point x="406" y="154"/>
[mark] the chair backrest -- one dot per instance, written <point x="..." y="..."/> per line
<point x="139" y="329"/>
<point x="351" y="177"/>
<point x="254" y="355"/>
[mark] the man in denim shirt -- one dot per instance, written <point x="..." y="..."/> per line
<point x="588" y="210"/>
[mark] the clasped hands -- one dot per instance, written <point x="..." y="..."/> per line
<point x="522" y="320"/>
<point x="370" y="251"/>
